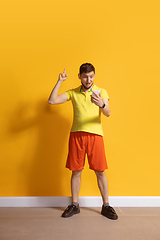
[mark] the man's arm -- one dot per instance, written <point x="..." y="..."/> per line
<point x="54" y="98"/>
<point x="106" y="110"/>
<point x="97" y="100"/>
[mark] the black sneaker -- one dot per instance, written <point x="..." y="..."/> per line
<point x="70" y="211"/>
<point x="109" y="212"/>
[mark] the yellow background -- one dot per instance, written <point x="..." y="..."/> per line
<point x="37" y="40"/>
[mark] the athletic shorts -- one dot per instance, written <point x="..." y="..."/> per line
<point x="82" y="143"/>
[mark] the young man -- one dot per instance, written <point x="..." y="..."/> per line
<point x="86" y="136"/>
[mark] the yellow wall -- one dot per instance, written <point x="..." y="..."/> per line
<point x="38" y="39"/>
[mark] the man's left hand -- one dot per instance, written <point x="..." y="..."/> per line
<point x="97" y="99"/>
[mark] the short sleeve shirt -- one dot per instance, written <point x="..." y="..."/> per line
<point x="87" y="116"/>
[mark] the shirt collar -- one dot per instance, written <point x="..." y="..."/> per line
<point x="88" y="91"/>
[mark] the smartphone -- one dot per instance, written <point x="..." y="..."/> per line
<point x="96" y="91"/>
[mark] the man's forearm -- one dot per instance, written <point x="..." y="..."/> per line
<point x="54" y="98"/>
<point x="106" y="110"/>
<point x="54" y="92"/>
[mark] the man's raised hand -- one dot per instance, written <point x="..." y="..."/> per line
<point x="63" y="76"/>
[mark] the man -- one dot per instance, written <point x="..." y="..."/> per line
<point x="86" y="136"/>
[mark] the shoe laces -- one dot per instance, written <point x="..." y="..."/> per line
<point x="70" y="206"/>
<point x="111" y="209"/>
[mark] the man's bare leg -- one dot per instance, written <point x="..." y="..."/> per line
<point x="103" y="185"/>
<point x="107" y="210"/>
<point x="75" y="185"/>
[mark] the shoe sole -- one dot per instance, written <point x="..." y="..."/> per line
<point x="71" y="214"/>
<point x="112" y="218"/>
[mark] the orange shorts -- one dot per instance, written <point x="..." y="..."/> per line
<point x="82" y="143"/>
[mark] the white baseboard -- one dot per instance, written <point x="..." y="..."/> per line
<point x="83" y="201"/>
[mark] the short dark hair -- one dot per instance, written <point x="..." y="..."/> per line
<point x="86" y="68"/>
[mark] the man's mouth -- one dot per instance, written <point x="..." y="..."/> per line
<point x="87" y="85"/>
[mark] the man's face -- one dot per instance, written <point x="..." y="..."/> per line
<point x="87" y="79"/>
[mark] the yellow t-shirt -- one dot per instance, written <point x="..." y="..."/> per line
<point x="87" y="116"/>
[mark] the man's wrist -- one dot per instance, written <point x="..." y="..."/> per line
<point x="103" y="105"/>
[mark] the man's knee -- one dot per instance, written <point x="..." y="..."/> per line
<point x="100" y="173"/>
<point x="76" y="173"/>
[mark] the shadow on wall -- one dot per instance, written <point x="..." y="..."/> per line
<point x="42" y="169"/>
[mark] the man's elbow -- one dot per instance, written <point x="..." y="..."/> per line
<point x="51" y="102"/>
<point x="108" y="114"/>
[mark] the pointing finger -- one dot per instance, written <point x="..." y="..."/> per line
<point x="64" y="70"/>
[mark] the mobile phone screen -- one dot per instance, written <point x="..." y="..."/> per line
<point x="96" y="91"/>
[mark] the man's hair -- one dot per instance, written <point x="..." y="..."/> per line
<point x="86" y="68"/>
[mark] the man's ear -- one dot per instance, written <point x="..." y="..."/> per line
<point x="79" y="76"/>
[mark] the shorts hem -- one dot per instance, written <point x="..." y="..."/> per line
<point x="74" y="169"/>
<point x="99" y="170"/>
